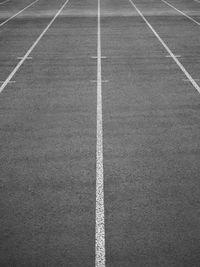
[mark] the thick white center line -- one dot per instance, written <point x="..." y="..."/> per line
<point x="100" y="226"/>
<point x="26" y="56"/>
<point x="1" y="24"/>
<point x="195" y="21"/>
<point x="196" y="86"/>
<point x="6" y="1"/>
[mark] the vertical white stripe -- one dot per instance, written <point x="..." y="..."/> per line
<point x="100" y="227"/>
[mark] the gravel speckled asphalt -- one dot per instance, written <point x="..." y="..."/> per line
<point x="151" y="118"/>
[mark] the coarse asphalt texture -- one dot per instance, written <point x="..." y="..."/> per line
<point x="151" y="129"/>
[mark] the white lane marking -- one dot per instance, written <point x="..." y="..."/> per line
<point x="4" y="22"/>
<point x="95" y="57"/>
<point x="197" y="1"/>
<point x="195" y="21"/>
<point x="186" y="80"/>
<point x="31" y="49"/>
<point x="189" y="77"/>
<point x="8" y="82"/>
<point x="174" y="55"/>
<point x="95" y="81"/>
<point x="100" y="224"/>
<point x="6" y="1"/>
<point x="22" y="58"/>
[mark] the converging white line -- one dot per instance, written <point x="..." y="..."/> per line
<point x="1" y="24"/>
<point x="196" y="86"/>
<point x="100" y="224"/>
<point x="31" y="49"/>
<point x="187" y="16"/>
<point x="6" y="1"/>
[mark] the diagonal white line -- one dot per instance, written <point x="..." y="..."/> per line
<point x="196" y="86"/>
<point x="195" y="21"/>
<point x="4" y="22"/>
<point x="6" y="1"/>
<point x="31" y="49"/>
<point x="100" y="225"/>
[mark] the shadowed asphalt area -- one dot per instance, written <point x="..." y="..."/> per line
<point x="48" y="135"/>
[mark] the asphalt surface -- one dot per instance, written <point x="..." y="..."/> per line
<point x="151" y="118"/>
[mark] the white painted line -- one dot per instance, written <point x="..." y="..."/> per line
<point x="95" y="81"/>
<point x="8" y="82"/>
<point x="6" y="1"/>
<point x="195" y="21"/>
<point x="31" y="49"/>
<point x="22" y="58"/>
<point x="174" y="55"/>
<point x="196" y="86"/>
<point x="197" y="1"/>
<point x="100" y="224"/>
<point x="1" y="24"/>
<point x="95" y="57"/>
<point x="186" y="80"/>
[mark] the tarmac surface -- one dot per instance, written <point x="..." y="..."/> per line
<point x="151" y="129"/>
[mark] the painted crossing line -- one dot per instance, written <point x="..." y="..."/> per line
<point x="100" y="224"/>
<point x="26" y="58"/>
<point x="174" y="55"/>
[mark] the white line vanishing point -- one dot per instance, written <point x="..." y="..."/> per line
<point x="20" y="63"/>
<point x="189" y="77"/>
<point x="100" y="226"/>
<point x="195" y="21"/>
<point x="1" y="24"/>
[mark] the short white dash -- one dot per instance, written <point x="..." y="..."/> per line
<point x="95" y="57"/>
<point x="8" y="82"/>
<point x="187" y="80"/>
<point x="174" y="56"/>
<point x="23" y="57"/>
<point x="95" y="81"/>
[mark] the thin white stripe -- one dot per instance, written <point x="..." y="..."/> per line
<point x="174" y="55"/>
<point x="196" y="86"/>
<point x="30" y="50"/>
<point x="195" y="21"/>
<point x="1" y="24"/>
<point x="4" y="2"/>
<point x="100" y="226"/>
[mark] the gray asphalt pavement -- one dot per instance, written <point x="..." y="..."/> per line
<point x="151" y="118"/>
